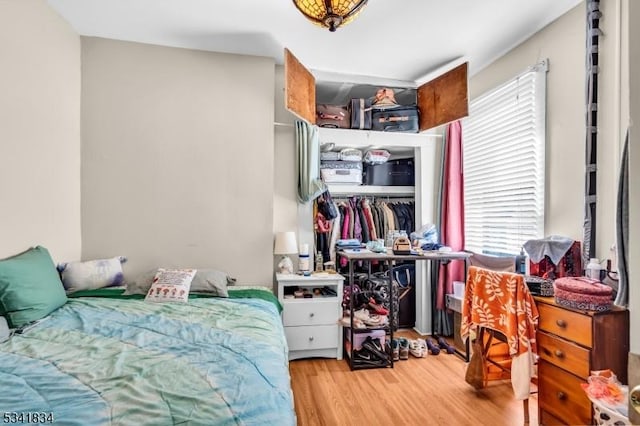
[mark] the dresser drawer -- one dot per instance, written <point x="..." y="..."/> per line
<point x="560" y="394"/>
<point x="564" y="354"/>
<point x="312" y="337"/>
<point x="567" y="324"/>
<point x="548" y="419"/>
<point x="301" y="312"/>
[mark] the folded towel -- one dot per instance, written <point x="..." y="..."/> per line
<point x="352" y="242"/>
<point x="553" y="246"/>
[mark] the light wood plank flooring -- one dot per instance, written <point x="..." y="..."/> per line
<point x="418" y="391"/>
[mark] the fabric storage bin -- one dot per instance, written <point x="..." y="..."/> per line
<point x="359" y="338"/>
<point x="391" y="173"/>
<point x="351" y="154"/>
<point x="329" y="156"/>
<point x="583" y="293"/>
<point x="341" y="172"/>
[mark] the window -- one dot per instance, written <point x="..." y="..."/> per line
<point x="503" y="151"/>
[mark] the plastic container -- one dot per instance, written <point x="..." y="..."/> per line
<point x="593" y="269"/>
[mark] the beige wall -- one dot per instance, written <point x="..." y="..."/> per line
<point x="177" y="158"/>
<point x="563" y="43"/>
<point x="39" y="131"/>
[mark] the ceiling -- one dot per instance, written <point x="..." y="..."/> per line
<point x="392" y="39"/>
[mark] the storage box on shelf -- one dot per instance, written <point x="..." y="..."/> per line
<point x="571" y="344"/>
<point x="310" y="323"/>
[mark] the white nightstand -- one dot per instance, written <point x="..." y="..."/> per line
<point x="311" y="324"/>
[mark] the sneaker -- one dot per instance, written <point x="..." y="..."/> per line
<point x="403" y="348"/>
<point x="366" y="357"/>
<point x="418" y="348"/>
<point x="395" y="349"/>
<point x="374" y="346"/>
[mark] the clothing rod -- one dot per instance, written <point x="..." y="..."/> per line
<point x="374" y="197"/>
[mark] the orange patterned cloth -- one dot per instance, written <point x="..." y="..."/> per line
<point x="501" y="301"/>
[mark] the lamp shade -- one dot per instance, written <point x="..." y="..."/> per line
<point x="330" y="13"/>
<point x="285" y="243"/>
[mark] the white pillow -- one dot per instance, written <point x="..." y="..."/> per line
<point x="171" y="285"/>
<point x="92" y="274"/>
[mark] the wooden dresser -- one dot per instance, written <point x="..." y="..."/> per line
<point x="572" y="343"/>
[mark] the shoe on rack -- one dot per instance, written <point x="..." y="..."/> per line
<point x="346" y="322"/>
<point x="432" y="346"/>
<point x="374" y="346"/>
<point x="442" y="342"/>
<point x="403" y="348"/>
<point x="418" y="348"/>
<point x="377" y="308"/>
<point x="366" y="357"/>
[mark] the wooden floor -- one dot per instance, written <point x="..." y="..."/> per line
<point x="418" y="391"/>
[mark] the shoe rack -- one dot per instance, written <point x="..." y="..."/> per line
<point x="367" y="340"/>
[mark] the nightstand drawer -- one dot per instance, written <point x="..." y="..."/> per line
<point x="300" y="312"/>
<point x="564" y="354"/>
<point x="559" y="392"/>
<point x="567" y="324"/>
<point x="312" y="337"/>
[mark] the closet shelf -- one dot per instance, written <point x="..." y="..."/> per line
<point x="372" y="139"/>
<point x="346" y="189"/>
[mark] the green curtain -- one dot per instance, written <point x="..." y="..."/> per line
<point x="308" y="162"/>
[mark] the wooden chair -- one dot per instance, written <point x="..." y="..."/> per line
<point x="499" y="311"/>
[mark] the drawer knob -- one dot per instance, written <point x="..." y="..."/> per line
<point x="561" y="396"/>
<point x="311" y="315"/>
<point x="561" y="323"/>
<point x="311" y="338"/>
<point x="559" y="353"/>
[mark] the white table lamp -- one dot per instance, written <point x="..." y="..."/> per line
<point x="285" y="244"/>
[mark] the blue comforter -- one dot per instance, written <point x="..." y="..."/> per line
<point x="115" y="361"/>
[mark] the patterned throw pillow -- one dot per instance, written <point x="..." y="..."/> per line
<point x="92" y="274"/>
<point x="171" y="285"/>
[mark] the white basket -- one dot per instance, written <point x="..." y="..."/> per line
<point x="605" y="416"/>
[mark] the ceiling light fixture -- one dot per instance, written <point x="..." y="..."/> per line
<point x="330" y="13"/>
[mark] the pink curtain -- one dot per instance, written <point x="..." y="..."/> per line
<point x="452" y="215"/>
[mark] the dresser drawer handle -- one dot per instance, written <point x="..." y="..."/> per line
<point x="561" y="396"/>
<point x="561" y="323"/>
<point x="311" y="338"/>
<point x="311" y="315"/>
<point x="559" y="353"/>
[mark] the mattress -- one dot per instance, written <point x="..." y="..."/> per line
<point x="108" y="359"/>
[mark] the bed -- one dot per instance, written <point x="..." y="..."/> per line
<point x="106" y="358"/>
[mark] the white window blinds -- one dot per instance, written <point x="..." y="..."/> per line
<point x="504" y="139"/>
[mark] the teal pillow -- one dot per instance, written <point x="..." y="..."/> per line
<point x="30" y="287"/>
